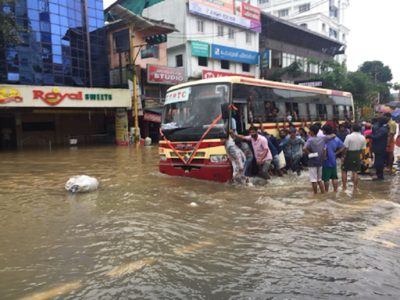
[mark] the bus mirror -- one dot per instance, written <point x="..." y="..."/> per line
<point x="225" y="111"/>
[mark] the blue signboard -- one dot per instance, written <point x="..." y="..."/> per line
<point x="265" y="60"/>
<point x="234" y="54"/>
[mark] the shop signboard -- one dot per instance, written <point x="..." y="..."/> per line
<point x="234" y="54"/>
<point x="165" y="75"/>
<point x="50" y="96"/>
<point x="265" y="60"/>
<point x="219" y="15"/>
<point x="121" y="128"/>
<point x="312" y="83"/>
<point x="226" y="6"/>
<point x="200" y="49"/>
<point x="248" y="11"/>
<point x="215" y="74"/>
<point x="152" y="117"/>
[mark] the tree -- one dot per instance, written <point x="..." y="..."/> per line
<point x="294" y="70"/>
<point x="381" y="76"/>
<point x="332" y="73"/>
<point x="9" y="28"/>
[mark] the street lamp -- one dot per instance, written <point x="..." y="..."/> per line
<point x="134" y="21"/>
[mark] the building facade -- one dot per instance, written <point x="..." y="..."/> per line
<point x="213" y="39"/>
<point x="53" y="86"/>
<point x="323" y="17"/>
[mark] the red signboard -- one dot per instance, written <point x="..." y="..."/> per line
<point x="216" y="74"/>
<point x="164" y="75"/>
<point x="152" y="117"/>
<point x="250" y="12"/>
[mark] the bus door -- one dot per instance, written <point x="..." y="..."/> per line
<point x="240" y="115"/>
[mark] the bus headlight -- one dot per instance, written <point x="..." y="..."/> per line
<point x="163" y="157"/>
<point x="218" y="158"/>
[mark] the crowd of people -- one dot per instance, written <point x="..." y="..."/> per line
<point x="259" y="153"/>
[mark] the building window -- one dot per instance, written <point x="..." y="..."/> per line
<point x="262" y="1"/>
<point x="287" y="59"/>
<point x="333" y="13"/>
<point x="231" y="34"/>
<point x="225" y="64"/>
<point x="200" y="25"/>
<point x="220" y="30"/>
<point x="179" y="60"/>
<point x="303" y="25"/>
<point x="122" y="41"/>
<point x="304" y="8"/>
<point x="248" y="37"/>
<point x="343" y="37"/>
<point x="203" y="61"/>
<point x="246" y="67"/>
<point x="283" y="13"/>
<point x="332" y="33"/>
<point x="323" y="27"/>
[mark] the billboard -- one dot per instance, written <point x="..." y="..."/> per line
<point x="221" y="5"/>
<point x="234" y="54"/>
<point x="265" y="60"/>
<point x="215" y="74"/>
<point x="248" y="11"/>
<point x="164" y="75"/>
<point x="200" y="49"/>
<point x="230" y="18"/>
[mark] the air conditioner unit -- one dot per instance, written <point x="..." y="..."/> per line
<point x="333" y="4"/>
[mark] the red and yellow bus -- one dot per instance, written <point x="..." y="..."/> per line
<point x="196" y="114"/>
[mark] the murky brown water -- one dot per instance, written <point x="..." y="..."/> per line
<point x="137" y="237"/>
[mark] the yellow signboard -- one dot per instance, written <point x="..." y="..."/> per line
<point x="121" y="128"/>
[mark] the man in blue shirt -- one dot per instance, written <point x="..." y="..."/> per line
<point x="332" y="148"/>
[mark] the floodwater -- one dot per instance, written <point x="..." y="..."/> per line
<point x="138" y="237"/>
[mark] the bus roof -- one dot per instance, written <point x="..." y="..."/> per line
<point x="261" y="82"/>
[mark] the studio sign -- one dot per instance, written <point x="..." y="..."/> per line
<point x="55" y="97"/>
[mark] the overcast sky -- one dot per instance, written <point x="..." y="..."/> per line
<point x="374" y="33"/>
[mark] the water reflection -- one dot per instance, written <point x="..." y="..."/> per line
<point x="137" y="237"/>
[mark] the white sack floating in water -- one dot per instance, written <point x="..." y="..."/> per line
<point x="81" y="183"/>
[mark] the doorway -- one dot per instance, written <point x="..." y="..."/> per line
<point x="8" y="136"/>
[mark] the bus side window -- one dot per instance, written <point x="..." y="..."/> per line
<point x="295" y="107"/>
<point x="351" y="112"/>
<point x="341" y="112"/>
<point x="303" y="112"/>
<point x="282" y="110"/>
<point x="329" y="111"/>
<point x="321" y="110"/>
<point x="313" y="110"/>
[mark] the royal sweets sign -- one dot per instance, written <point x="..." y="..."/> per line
<point x="50" y="96"/>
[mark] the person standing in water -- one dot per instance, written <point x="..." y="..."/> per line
<point x="237" y="159"/>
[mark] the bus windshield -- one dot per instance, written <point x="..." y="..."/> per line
<point x="189" y="111"/>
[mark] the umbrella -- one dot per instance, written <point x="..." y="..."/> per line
<point x="393" y="104"/>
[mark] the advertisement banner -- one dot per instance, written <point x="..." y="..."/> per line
<point x="216" y="74"/>
<point x="383" y="108"/>
<point x="265" y="60"/>
<point x="249" y="12"/>
<point x="121" y="128"/>
<point x="200" y="49"/>
<point x="152" y="117"/>
<point x="221" y="5"/>
<point x="234" y="54"/>
<point x="164" y="75"/>
<point x="230" y="18"/>
<point x="63" y="96"/>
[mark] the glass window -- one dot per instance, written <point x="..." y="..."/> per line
<point x="43" y="5"/>
<point x="62" y="2"/>
<point x="231" y="33"/>
<point x="55" y="29"/>
<point x="20" y="11"/>
<point x="71" y="23"/>
<point x="248" y="37"/>
<point x="91" y="29"/>
<point x="78" y="6"/>
<point x="25" y="78"/>
<point x="46" y="37"/>
<point x="329" y="112"/>
<point x="282" y="109"/>
<point x="53" y="8"/>
<point x="33" y="14"/>
<point x="202" y="61"/>
<point x="45" y="16"/>
<point x="56" y="39"/>
<point x="100" y="23"/>
<point x="54" y="19"/>
<point x="71" y="13"/>
<point x="91" y="12"/>
<point x="179" y="60"/>
<point x="245" y="67"/>
<point x="303" y="112"/>
<point x="220" y="31"/>
<point x="45" y="26"/>
<point x="304" y="8"/>
<point x="35" y="26"/>
<point x="200" y="26"/>
<point x="341" y="112"/>
<point x="91" y="3"/>
<point x="225" y="64"/>
<point x="64" y="21"/>
<point x="32" y="4"/>
<point x="313" y="110"/>
<point x="283" y="13"/>
<point x="99" y="5"/>
<point x="92" y="22"/>
<point x="57" y="59"/>
<point x="57" y="50"/>
<point x="48" y="79"/>
<point x="100" y="14"/>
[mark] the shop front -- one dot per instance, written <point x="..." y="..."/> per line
<point x="32" y="116"/>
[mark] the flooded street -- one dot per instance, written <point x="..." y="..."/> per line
<point x="138" y="237"/>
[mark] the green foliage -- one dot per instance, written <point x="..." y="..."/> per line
<point x="294" y="70"/>
<point x="382" y="73"/>
<point x="9" y="28"/>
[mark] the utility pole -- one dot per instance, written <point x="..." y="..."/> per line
<point x="134" y="88"/>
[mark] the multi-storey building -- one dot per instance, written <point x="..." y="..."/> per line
<point x="326" y="17"/>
